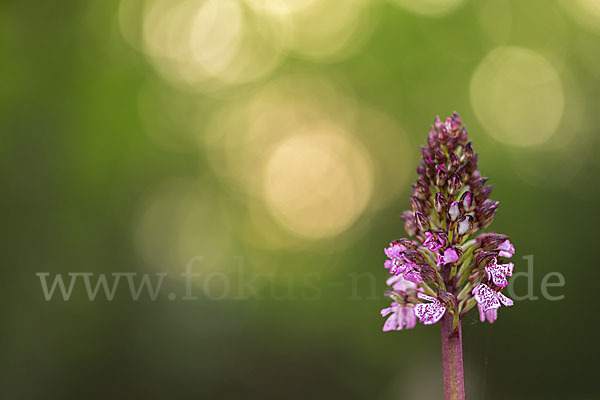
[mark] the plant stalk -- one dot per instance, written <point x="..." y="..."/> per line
<point x="452" y="358"/>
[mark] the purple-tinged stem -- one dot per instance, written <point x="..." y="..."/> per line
<point x="452" y="358"/>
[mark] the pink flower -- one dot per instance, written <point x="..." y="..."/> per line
<point x="401" y="317"/>
<point x="497" y="273"/>
<point x="433" y="242"/>
<point x="399" y="265"/>
<point x="489" y="299"/>
<point x="450" y="256"/>
<point x="506" y="249"/>
<point x="491" y="315"/>
<point x="397" y="282"/>
<point x="429" y="313"/>
<point x="394" y="250"/>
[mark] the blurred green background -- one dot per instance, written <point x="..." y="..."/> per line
<point x="277" y="139"/>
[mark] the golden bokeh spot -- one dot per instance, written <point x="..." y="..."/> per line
<point x="318" y="181"/>
<point x="518" y="96"/>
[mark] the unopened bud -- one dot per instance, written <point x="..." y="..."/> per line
<point x="439" y="202"/>
<point x="422" y="188"/>
<point x="455" y="184"/>
<point x="486" y="258"/>
<point x="413" y="256"/>
<point x="465" y="224"/>
<point x="466" y="200"/>
<point x="410" y="225"/>
<point x="491" y="241"/>
<point x="485" y="213"/>
<point x="442" y="175"/>
<point x="453" y="161"/>
<point x="468" y="152"/>
<point x="477" y="184"/>
<point x="462" y="136"/>
<point x="440" y="156"/>
<point x="446" y="298"/>
<point x="484" y="193"/>
<point x="427" y="273"/>
<point x="422" y="221"/>
<point x="409" y="244"/>
<point x="417" y="204"/>
<point x="425" y="153"/>
<point x="453" y="211"/>
<point x="455" y="121"/>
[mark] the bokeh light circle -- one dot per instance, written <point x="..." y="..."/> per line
<point x="518" y="96"/>
<point x="584" y="12"/>
<point x="317" y="182"/>
<point x="430" y="8"/>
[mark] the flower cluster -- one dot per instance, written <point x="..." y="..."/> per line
<point x="443" y="268"/>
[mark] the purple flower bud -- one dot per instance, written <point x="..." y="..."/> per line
<point x="440" y="156"/>
<point x="466" y="200"/>
<point x="462" y="136"/>
<point x="484" y="193"/>
<point x="467" y="155"/>
<point x="454" y="161"/>
<point x="422" y="221"/>
<point x="413" y="256"/>
<point x="442" y="175"/>
<point x="455" y="122"/>
<point x="410" y="225"/>
<point x="439" y="202"/>
<point x="452" y="143"/>
<point x="485" y="213"/>
<point x="417" y="204"/>
<point x="430" y="169"/>
<point x="477" y="184"/>
<point x="438" y="123"/>
<point x="455" y="184"/>
<point x="486" y="257"/>
<point x="446" y="298"/>
<point x="425" y="153"/>
<point x="491" y="241"/>
<point x="407" y="243"/>
<point x="453" y="211"/>
<point x="465" y="224"/>
<point x="422" y="188"/>
<point x="427" y="273"/>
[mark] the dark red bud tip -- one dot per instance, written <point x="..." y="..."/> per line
<point x="409" y="244"/>
<point x="455" y="184"/>
<point x="486" y="257"/>
<point x="417" y="204"/>
<point x="446" y="298"/>
<point x="413" y="256"/>
<point x="439" y="202"/>
<point x="491" y="241"/>
<point x="422" y="221"/>
<point x="466" y="201"/>
<point x="410" y="225"/>
<point x="427" y="273"/>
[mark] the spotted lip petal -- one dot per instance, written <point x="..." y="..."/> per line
<point x="429" y="313"/>
<point x="497" y="273"/>
<point x="489" y="299"/>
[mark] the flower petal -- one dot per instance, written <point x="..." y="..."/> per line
<point x="505" y="300"/>
<point x="391" y="323"/>
<point x="486" y="297"/>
